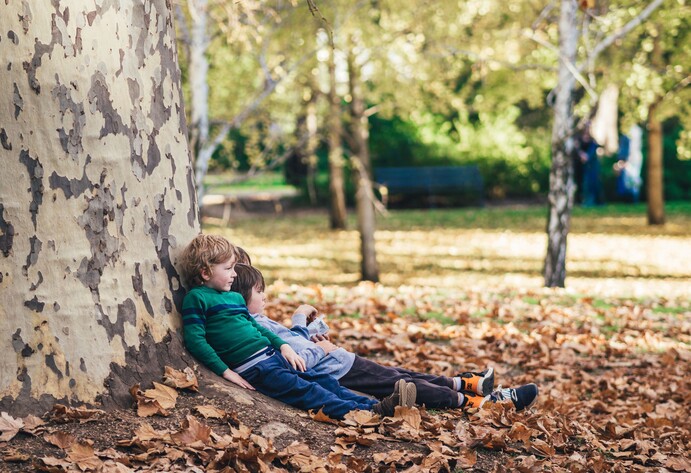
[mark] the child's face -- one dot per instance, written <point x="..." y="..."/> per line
<point x="221" y="277"/>
<point x="256" y="303"/>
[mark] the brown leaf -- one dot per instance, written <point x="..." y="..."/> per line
<point x="519" y="432"/>
<point x="208" y="411"/>
<point x="321" y="417"/>
<point x="9" y="427"/>
<point x="678" y="464"/>
<point x="362" y="418"/>
<point x="62" y="414"/>
<point x="193" y="432"/>
<point x="149" y="407"/>
<point x="466" y="457"/>
<point x="13" y="456"/>
<point x="60" y="439"/>
<point x="82" y="453"/>
<point x="185" y="379"/>
<point x="411" y="415"/>
<point x="542" y="448"/>
<point x="165" y="395"/>
<point x="33" y="425"/>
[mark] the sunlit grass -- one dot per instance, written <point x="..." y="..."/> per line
<point x="611" y="250"/>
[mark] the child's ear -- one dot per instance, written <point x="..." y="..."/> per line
<point x="206" y="274"/>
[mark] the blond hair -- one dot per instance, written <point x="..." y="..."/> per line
<point x="203" y="252"/>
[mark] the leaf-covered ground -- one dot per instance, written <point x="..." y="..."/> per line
<point x="461" y="291"/>
<point x="613" y="377"/>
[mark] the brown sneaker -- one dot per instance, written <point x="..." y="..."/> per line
<point x="404" y="394"/>
<point x="480" y="383"/>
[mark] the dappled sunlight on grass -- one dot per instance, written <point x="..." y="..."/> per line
<point x="413" y="250"/>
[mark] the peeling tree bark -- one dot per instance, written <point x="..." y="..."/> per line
<point x="561" y="184"/>
<point x="96" y="198"/>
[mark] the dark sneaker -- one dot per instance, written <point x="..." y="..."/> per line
<point x="404" y="394"/>
<point x="522" y="397"/>
<point x="480" y="383"/>
<point x="473" y="400"/>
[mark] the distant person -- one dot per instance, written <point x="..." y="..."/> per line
<point x="363" y="375"/>
<point x="591" y="183"/>
<point x="219" y="332"/>
<point x="628" y="166"/>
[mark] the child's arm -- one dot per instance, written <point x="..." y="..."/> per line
<point x="235" y="378"/>
<point x="293" y="358"/>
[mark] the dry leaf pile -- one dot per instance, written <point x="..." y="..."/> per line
<point x="613" y="376"/>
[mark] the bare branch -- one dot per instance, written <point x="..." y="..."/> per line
<point x="570" y="66"/>
<point x="623" y="31"/>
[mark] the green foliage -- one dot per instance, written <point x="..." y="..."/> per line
<point x="513" y="162"/>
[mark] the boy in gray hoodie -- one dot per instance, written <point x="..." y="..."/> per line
<point x="363" y="375"/>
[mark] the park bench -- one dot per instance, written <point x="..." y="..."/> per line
<point x="436" y="185"/>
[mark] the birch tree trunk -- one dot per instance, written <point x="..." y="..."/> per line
<point x="337" y="207"/>
<point x="361" y="169"/>
<point x="198" y="71"/>
<point x="96" y="199"/>
<point x="561" y="183"/>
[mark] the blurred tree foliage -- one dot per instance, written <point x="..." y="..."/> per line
<point x="447" y="82"/>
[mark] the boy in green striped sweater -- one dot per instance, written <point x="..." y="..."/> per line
<point x="220" y="333"/>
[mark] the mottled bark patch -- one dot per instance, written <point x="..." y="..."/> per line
<point x="32" y="257"/>
<point x="35" y="285"/>
<point x="138" y="286"/>
<point x="70" y="138"/>
<point x="99" y="96"/>
<point x="4" y="140"/>
<point x="35" y="305"/>
<point x="36" y="179"/>
<point x="126" y="314"/>
<point x="160" y="234"/>
<point x="50" y="363"/>
<point x="71" y="187"/>
<point x="18" y="101"/>
<point x="6" y="233"/>
<point x="143" y="366"/>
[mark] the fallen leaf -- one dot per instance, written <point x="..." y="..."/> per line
<point x="193" y="432"/>
<point x="60" y="439"/>
<point x="185" y="379"/>
<point x="208" y="411"/>
<point x="165" y="395"/>
<point x="82" y="453"/>
<point x="9" y="426"/>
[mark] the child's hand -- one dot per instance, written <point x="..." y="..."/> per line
<point x="235" y="378"/>
<point x="293" y="358"/>
<point x="320" y="337"/>
<point x="307" y="310"/>
<point x="327" y="346"/>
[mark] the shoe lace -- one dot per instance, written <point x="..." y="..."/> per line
<point x="500" y="394"/>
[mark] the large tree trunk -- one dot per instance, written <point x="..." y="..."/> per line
<point x="96" y="198"/>
<point x="337" y="207"/>
<point x="654" y="180"/>
<point x="361" y="169"/>
<point x="561" y="184"/>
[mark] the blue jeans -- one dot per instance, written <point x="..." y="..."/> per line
<point x="307" y="390"/>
